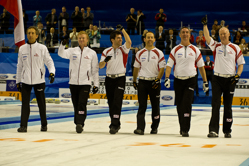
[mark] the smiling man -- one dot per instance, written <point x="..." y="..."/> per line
<point x="226" y="56"/>
<point x="83" y="68"/>
<point x="185" y="57"/>
<point x="31" y="74"/>
<point x="150" y="64"/>
<point x="115" y="57"/>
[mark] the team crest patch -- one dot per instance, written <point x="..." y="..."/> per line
<point x="115" y="116"/>
<point x="82" y="112"/>
<point x="186" y="115"/>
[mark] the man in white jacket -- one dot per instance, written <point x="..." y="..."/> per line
<point x="83" y="68"/>
<point x="31" y="73"/>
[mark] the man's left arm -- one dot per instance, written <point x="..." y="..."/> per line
<point x="203" y="73"/>
<point x="49" y="61"/>
<point x="240" y="69"/>
<point x="127" y="39"/>
<point x="95" y="70"/>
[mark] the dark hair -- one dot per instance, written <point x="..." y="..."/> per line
<point x="184" y="28"/>
<point x="114" y="34"/>
<point x="140" y="11"/>
<point x="149" y="32"/>
<point x="215" y="20"/>
<point x="35" y="28"/>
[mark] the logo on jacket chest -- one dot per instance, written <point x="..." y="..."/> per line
<point x="36" y="55"/>
<point x="74" y="57"/>
<point x="24" y="58"/>
<point x="153" y="57"/>
<point x="86" y="57"/>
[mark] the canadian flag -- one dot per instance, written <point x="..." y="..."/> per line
<point x="15" y="8"/>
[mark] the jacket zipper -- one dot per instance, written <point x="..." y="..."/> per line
<point x="41" y="73"/>
<point x="148" y="56"/>
<point x="87" y="75"/>
<point x="31" y="62"/>
<point x="23" y="74"/>
<point x="79" y="67"/>
<point x="185" y="51"/>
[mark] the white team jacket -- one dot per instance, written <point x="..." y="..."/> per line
<point x="83" y="65"/>
<point x="30" y="66"/>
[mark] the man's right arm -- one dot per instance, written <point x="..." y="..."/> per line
<point x="206" y="34"/>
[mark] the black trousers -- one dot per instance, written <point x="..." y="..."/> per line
<point x="114" y="91"/>
<point x="131" y="30"/>
<point x="209" y="79"/>
<point x="184" y="93"/>
<point x="145" y="89"/>
<point x="221" y="86"/>
<point x="40" y="96"/>
<point x="79" y="95"/>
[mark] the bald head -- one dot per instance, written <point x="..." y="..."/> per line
<point x="224" y="35"/>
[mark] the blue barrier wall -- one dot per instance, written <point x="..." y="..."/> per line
<point x="8" y="62"/>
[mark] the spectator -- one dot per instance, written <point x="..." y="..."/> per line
<point x="51" y="20"/>
<point x="95" y="37"/>
<point x="37" y="18"/>
<point x="41" y="37"/>
<point x="4" y="21"/>
<point x="64" y="35"/>
<point x="88" y="31"/>
<point x="191" y="39"/>
<point x="244" y="27"/>
<point x="160" y="39"/>
<point x="25" y="20"/>
<point x="222" y="24"/>
<point x="209" y="67"/>
<point x="63" y="17"/>
<point x="88" y="18"/>
<point x="200" y="40"/>
<point x="216" y="27"/>
<point x="160" y="18"/>
<point x="171" y="41"/>
<point x="214" y="35"/>
<point x="140" y="22"/>
<point x="83" y="21"/>
<point x="237" y="38"/>
<point x="74" y="37"/>
<point x="131" y="20"/>
<point x="77" y="18"/>
<point x="143" y="36"/>
<point x="243" y="46"/>
<point x="52" y="38"/>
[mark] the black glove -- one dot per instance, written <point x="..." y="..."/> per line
<point x="64" y="42"/>
<point x="51" y="78"/>
<point x="205" y="86"/>
<point x="95" y="89"/>
<point x="108" y="58"/>
<point x="235" y="79"/>
<point x="135" y="85"/>
<point x="119" y="27"/>
<point x="19" y="88"/>
<point x="155" y="83"/>
<point x="204" y="20"/>
<point x="167" y="82"/>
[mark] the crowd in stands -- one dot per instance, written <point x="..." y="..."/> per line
<point x="83" y="20"/>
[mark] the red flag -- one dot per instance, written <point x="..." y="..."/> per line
<point x="15" y="8"/>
